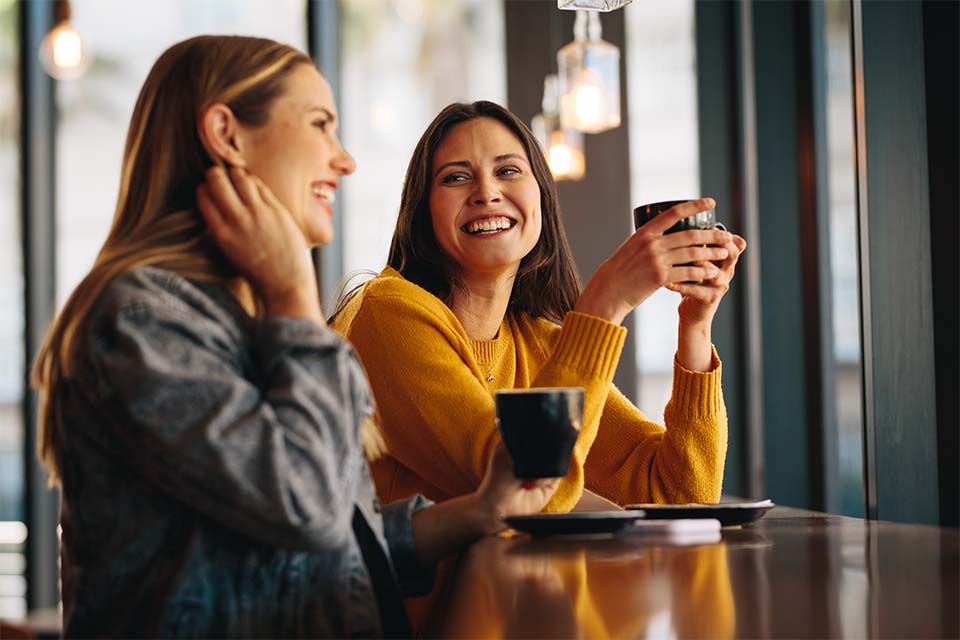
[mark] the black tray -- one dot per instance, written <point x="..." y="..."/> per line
<point x="728" y="513"/>
<point x="578" y="523"/>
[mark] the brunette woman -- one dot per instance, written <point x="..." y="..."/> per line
<point x="480" y="293"/>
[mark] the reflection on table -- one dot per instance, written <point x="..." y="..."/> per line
<point x="604" y="588"/>
<point x="793" y="574"/>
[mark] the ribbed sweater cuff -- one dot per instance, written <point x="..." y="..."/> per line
<point x="590" y="344"/>
<point x="698" y="393"/>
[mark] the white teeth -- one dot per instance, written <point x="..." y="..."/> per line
<point x="489" y="224"/>
<point x="324" y="192"/>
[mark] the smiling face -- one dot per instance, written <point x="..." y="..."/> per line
<point x="484" y="198"/>
<point x="297" y="153"/>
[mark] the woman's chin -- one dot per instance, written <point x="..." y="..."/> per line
<point x="319" y="234"/>
<point x="504" y="266"/>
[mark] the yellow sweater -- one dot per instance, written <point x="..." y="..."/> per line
<point x="434" y="390"/>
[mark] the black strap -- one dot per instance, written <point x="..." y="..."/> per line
<point x="393" y="616"/>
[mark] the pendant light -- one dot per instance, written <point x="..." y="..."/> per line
<point x="593" y="5"/>
<point x="63" y="53"/>
<point x="589" y="71"/>
<point x="562" y="147"/>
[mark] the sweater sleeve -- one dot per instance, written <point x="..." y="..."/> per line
<point x="438" y="415"/>
<point x="635" y="460"/>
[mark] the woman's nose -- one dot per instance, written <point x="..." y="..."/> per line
<point x="343" y="162"/>
<point x="486" y="191"/>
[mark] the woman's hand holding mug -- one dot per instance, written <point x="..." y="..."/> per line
<point x="502" y="494"/>
<point x="651" y="259"/>
<point x="701" y="299"/>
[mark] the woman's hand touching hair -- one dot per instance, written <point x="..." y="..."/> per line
<point x="260" y="238"/>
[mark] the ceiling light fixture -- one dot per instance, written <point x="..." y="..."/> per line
<point x="592" y="5"/>
<point x="563" y="147"/>
<point x="589" y="78"/>
<point x="63" y="52"/>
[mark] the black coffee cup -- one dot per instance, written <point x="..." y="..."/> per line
<point x="539" y="427"/>
<point x="647" y="212"/>
<point x="703" y="220"/>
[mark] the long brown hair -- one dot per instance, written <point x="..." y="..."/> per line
<point x="155" y="222"/>
<point x="547" y="284"/>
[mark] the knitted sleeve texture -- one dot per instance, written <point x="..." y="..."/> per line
<point x="636" y="460"/>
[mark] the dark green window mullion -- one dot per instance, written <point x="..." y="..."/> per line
<point x="796" y="331"/>
<point x="893" y="187"/>
<point x="37" y="168"/>
<point x="323" y="41"/>
<point x="814" y="195"/>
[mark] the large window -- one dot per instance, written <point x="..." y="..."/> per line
<point x="403" y="61"/>
<point x="126" y="38"/>
<point x="664" y="162"/>
<point x="12" y="532"/>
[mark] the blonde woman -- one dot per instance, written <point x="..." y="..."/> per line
<point x="206" y="427"/>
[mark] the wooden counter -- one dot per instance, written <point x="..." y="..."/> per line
<point x="792" y="574"/>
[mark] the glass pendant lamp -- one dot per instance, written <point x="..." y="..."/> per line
<point x="593" y="5"/>
<point x="63" y="53"/>
<point x="562" y="147"/>
<point x="589" y="71"/>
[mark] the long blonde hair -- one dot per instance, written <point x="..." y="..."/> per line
<point x="164" y="159"/>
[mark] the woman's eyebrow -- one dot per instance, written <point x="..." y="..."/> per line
<point x="510" y="156"/>
<point x="324" y="111"/>
<point x="455" y="163"/>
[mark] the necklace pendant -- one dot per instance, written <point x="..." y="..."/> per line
<point x="489" y="378"/>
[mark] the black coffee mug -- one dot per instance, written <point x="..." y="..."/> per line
<point x="539" y="427"/>
<point x="703" y="220"/>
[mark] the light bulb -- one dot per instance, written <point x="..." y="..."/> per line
<point x="588" y="103"/>
<point x="565" y="155"/>
<point x="563" y="148"/>
<point x="63" y="53"/>
<point x="561" y="159"/>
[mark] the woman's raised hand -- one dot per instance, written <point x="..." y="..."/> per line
<point x="701" y="299"/>
<point x="649" y="259"/>
<point x="261" y="239"/>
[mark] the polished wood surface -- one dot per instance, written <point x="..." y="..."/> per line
<point x="792" y="574"/>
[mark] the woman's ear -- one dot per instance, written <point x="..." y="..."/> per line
<point x="219" y="133"/>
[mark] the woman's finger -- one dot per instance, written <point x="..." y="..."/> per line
<point x="224" y="196"/>
<point x="675" y="214"/>
<point x="244" y="185"/>
<point x="209" y="211"/>
<point x="700" y="293"/>
<point x="684" y="255"/>
<point x="693" y="273"/>
<point x="267" y="195"/>
<point x="735" y="247"/>
<point x="697" y="237"/>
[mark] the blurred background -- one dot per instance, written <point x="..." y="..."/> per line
<point x="839" y="341"/>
